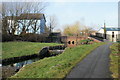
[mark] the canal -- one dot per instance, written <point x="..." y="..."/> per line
<point x="11" y="69"/>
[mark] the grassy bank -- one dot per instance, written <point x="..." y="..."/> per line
<point x="58" y="66"/>
<point x="15" y="49"/>
<point x="114" y="63"/>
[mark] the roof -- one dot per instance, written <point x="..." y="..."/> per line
<point x="112" y="29"/>
<point x="28" y="16"/>
<point x="31" y="16"/>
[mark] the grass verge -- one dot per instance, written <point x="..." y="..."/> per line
<point x="114" y="62"/>
<point x="16" y="49"/>
<point x="58" y="66"/>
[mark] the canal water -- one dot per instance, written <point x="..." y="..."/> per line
<point x="9" y="70"/>
<point x="12" y="69"/>
<point x="23" y="63"/>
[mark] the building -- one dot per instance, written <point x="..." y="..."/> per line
<point x="112" y="34"/>
<point x="28" y="19"/>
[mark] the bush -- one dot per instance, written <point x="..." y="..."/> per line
<point x="31" y="37"/>
<point x="6" y="37"/>
<point x="28" y="37"/>
<point x="34" y="37"/>
<point x="86" y="41"/>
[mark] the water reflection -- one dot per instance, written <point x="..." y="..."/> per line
<point x="23" y="63"/>
<point x="11" y="69"/>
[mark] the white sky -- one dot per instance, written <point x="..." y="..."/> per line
<point x="111" y="17"/>
<point x="59" y="0"/>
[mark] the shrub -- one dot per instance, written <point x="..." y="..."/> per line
<point x="86" y="41"/>
<point x="7" y="37"/>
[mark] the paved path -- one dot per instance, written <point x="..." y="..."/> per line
<point x="95" y="65"/>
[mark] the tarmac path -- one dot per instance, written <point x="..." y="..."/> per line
<point x="95" y="65"/>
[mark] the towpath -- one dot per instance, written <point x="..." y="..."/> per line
<point x="95" y="65"/>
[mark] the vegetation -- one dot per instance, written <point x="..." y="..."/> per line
<point x="115" y="56"/>
<point x="71" y="30"/>
<point x="15" y="49"/>
<point x="86" y="41"/>
<point x="57" y="66"/>
<point x="76" y="28"/>
<point x="52" y="22"/>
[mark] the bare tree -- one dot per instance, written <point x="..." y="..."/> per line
<point x="34" y="26"/>
<point x="11" y="11"/>
<point x="47" y="30"/>
<point x="33" y="23"/>
<point x="52" y="22"/>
